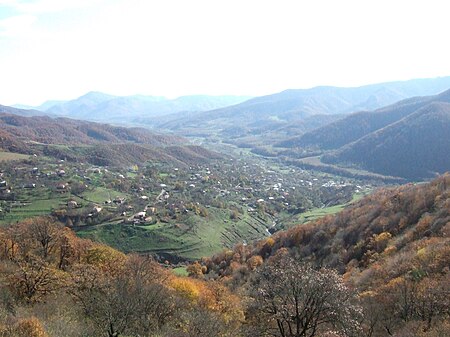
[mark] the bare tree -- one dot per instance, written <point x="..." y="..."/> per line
<point x="129" y="302"/>
<point x="291" y="299"/>
<point x="47" y="233"/>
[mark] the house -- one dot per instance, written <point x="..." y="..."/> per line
<point x="29" y="185"/>
<point x="96" y="210"/>
<point x="140" y="215"/>
<point x="118" y="200"/>
<point x="72" y="204"/>
<point x="61" y="188"/>
<point x="3" y="184"/>
<point x="152" y="210"/>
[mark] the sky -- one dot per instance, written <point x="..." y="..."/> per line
<point x="62" y="49"/>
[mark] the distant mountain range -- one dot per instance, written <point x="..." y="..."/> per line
<point x="97" y="106"/>
<point x="415" y="147"/>
<point x="293" y="105"/>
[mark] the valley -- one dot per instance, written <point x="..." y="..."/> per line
<point x="187" y="189"/>
<point x="109" y="224"/>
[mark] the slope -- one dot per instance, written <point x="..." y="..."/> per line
<point x="417" y="146"/>
<point x="98" y="144"/>
<point x="386" y="230"/>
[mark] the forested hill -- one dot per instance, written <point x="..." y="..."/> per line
<point x="360" y="124"/>
<point x="70" y="131"/>
<point x="21" y="112"/>
<point x="371" y="231"/>
<point x="418" y="146"/>
<point x="98" y="144"/>
<point x="394" y="240"/>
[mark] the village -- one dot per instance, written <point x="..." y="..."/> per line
<point x="243" y="199"/>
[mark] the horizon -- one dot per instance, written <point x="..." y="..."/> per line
<point x="247" y="97"/>
<point x="54" y="50"/>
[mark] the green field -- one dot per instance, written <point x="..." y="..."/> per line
<point x="192" y="239"/>
<point x="317" y="213"/>
<point x="180" y="271"/>
<point x="33" y="206"/>
<point x="6" y="156"/>
<point x="100" y="195"/>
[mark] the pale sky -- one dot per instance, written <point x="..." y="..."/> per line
<point x="61" y="49"/>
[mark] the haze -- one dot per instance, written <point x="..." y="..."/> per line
<point x="53" y="49"/>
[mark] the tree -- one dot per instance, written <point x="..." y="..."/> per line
<point x="34" y="279"/>
<point x="295" y="300"/>
<point x="128" y="301"/>
<point x="47" y="233"/>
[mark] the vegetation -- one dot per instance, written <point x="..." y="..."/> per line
<point x="55" y="284"/>
<point x="378" y="268"/>
<point x="392" y="248"/>
<point x="414" y="147"/>
<point x="291" y="299"/>
<point x="5" y="156"/>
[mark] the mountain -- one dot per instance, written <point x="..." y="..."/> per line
<point x="415" y="147"/>
<point x="102" y="107"/>
<point x="293" y="105"/>
<point x="81" y="106"/>
<point x="357" y="125"/>
<point x="409" y="139"/>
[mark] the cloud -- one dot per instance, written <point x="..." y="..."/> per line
<point x="16" y="25"/>
<point x="47" y="6"/>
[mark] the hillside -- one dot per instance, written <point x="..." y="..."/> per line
<point x="392" y="247"/>
<point x="69" y="131"/>
<point x="71" y="287"/>
<point x="415" y="147"/>
<point x="357" y="125"/>
<point x="98" y="144"/>
<point x="405" y="217"/>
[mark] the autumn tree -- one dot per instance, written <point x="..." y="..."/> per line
<point x="33" y="279"/>
<point x="46" y="233"/>
<point x="298" y="301"/>
<point x="127" y="301"/>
